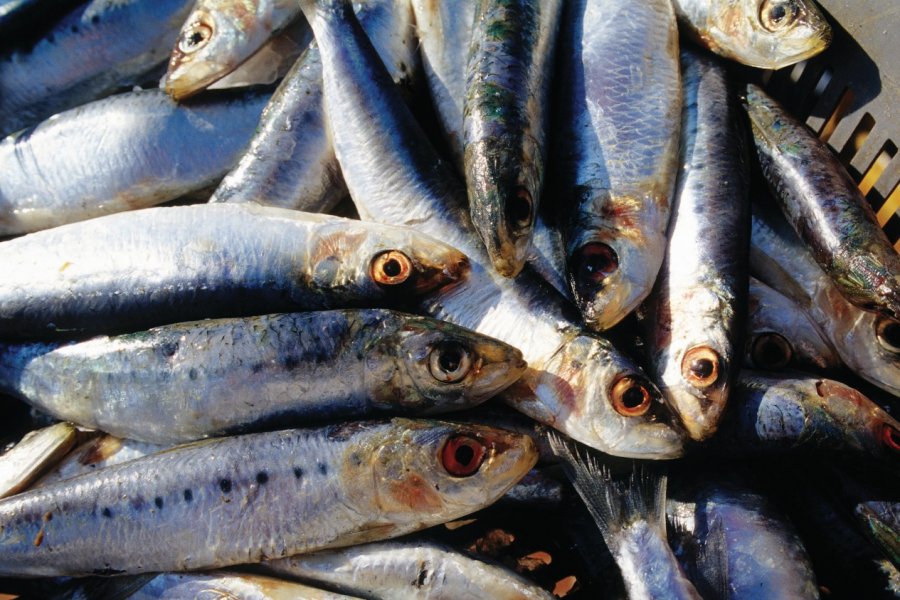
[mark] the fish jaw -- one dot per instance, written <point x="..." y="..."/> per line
<point x="439" y="268"/>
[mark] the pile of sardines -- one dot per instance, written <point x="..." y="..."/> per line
<point x="264" y="260"/>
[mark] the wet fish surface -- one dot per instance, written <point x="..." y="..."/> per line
<point x="134" y="270"/>
<point x="242" y="499"/>
<point x="616" y="150"/>
<point x="578" y="383"/>
<point x="133" y="150"/>
<point x="208" y="378"/>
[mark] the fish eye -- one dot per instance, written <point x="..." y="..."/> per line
<point x="520" y="208"/>
<point x="449" y="362"/>
<point x="701" y="366"/>
<point x="195" y="37"/>
<point x="391" y="268"/>
<point x="778" y="15"/>
<point x="891" y="437"/>
<point x="771" y="351"/>
<point x="630" y="397"/>
<point x="595" y="262"/>
<point x="462" y="455"/>
<point x="887" y="332"/>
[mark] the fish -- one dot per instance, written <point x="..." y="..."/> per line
<point x="187" y="381"/>
<point x="242" y="499"/>
<point x="768" y="34"/>
<point x="225" y="584"/>
<point x="616" y="135"/>
<point x="631" y="516"/>
<point x="21" y="18"/>
<point x="97" y="48"/>
<point x="577" y="382"/>
<point x="290" y="161"/>
<point x="100" y="452"/>
<point x="735" y="543"/>
<point x="825" y="207"/>
<point x="508" y="83"/>
<point x="694" y="319"/>
<point x="35" y="453"/>
<point x="129" y="151"/>
<point x="134" y="270"/>
<point x="781" y="335"/>
<point x="220" y="35"/>
<point x="406" y="568"/>
<point x="868" y="343"/>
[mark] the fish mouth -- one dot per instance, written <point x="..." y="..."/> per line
<point x="656" y="435"/>
<point x="700" y="396"/>
<point x="500" y="368"/>
<point x="190" y="78"/>
<point x="507" y="238"/>
<point x="603" y="291"/>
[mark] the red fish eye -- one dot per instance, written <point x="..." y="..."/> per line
<point x="891" y="437"/>
<point x="595" y="262"/>
<point x="462" y="455"/>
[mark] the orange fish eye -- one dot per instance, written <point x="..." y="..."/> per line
<point x="391" y="268"/>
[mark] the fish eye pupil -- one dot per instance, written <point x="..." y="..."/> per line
<point x="633" y="398"/>
<point x="195" y="38"/>
<point x="450" y="359"/>
<point x="778" y="13"/>
<point x="464" y="455"/>
<point x="520" y="208"/>
<point x="702" y="368"/>
<point x="392" y="267"/>
<point x="891" y="334"/>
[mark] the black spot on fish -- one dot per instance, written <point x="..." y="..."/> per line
<point x="257" y="367"/>
<point x="192" y="374"/>
<point x="95" y="19"/>
<point x="188" y="495"/>
<point x="298" y="472"/>
<point x="323" y="469"/>
<point x="225" y="486"/>
<point x="290" y="362"/>
<point x="158" y="502"/>
<point x="262" y="478"/>
<point x="107" y="571"/>
<point x="169" y="348"/>
<point x="74" y="28"/>
<point x="107" y="513"/>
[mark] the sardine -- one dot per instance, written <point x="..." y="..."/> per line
<point x="227" y="585"/>
<point x="735" y="544"/>
<point x="290" y="161"/>
<point x="578" y="383"/>
<point x="781" y="334"/>
<point x="188" y="381"/>
<point x="694" y="318"/>
<point x="616" y="148"/>
<point x="101" y="452"/>
<point x="825" y="207"/>
<point x="867" y="343"/>
<point x="243" y="499"/>
<point x="139" y="269"/>
<point x="218" y="36"/>
<point x="408" y="569"/>
<point x="99" y="47"/>
<point x="34" y="454"/>
<point x="631" y="516"/>
<point x="129" y="151"/>
<point x="769" y="34"/>
<point x="508" y="83"/>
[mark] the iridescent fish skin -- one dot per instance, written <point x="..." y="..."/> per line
<point x="99" y="47"/>
<point x="508" y="83"/>
<point x="694" y="318"/>
<point x="825" y="207"/>
<point x="183" y="382"/>
<point x="129" y="151"/>
<point x="218" y="36"/>
<point x="578" y="382"/>
<point x="290" y="161"/>
<point x="781" y="334"/>
<point x="139" y="269"/>
<point x="410" y="569"/>
<point x="867" y="343"/>
<point x="769" y="34"/>
<point x="616" y="150"/>
<point x="243" y="499"/>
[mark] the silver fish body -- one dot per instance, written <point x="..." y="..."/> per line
<point x="34" y="454"/>
<point x="99" y="47"/>
<point x="407" y="570"/>
<point x="101" y="452"/>
<point x="616" y="150"/>
<point x="220" y="35"/>
<point x="578" y="383"/>
<point x="508" y="83"/>
<point x="769" y="34"/>
<point x="290" y="161"/>
<point x="134" y="270"/>
<point x="234" y="586"/>
<point x="736" y="544"/>
<point x="825" y="207"/>
<point x="694" y="319"/>
<point x="133" y="150"/>
<point x="243" y="499"/>
<point x="207" y="378"/>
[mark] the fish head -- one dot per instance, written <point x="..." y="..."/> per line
<point x="870" y="344"/>
<point x="210" y="45"/>
<point x="503" y="192"/>
<point x="445" y="469"/>
<point x="438" y="366"/>
<point x="597" y="396"/>
<point x="768" y="34"/>
<point x="698" y="389"/>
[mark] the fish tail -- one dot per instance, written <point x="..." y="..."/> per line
<point x="615" y="504"/>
